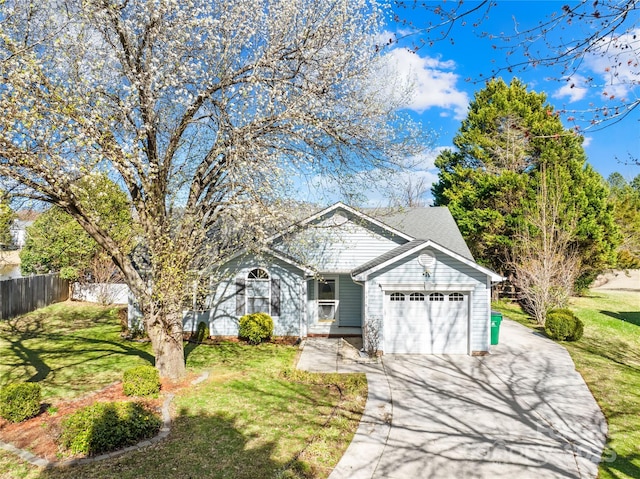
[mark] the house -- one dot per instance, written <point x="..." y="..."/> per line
<point x="18" y="231"/>
<point x="403" y="279"/>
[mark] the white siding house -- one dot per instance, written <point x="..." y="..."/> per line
<point x="405" y="275"/>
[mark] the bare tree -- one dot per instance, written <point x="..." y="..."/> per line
<point x="202" y="111"/>
<point x="411" y="193"/>
<point x="543" y="259"/>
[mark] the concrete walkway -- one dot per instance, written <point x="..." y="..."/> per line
<point x="522" y="411"/>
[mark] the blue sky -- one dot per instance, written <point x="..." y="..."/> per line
<point x="440" y="74"/>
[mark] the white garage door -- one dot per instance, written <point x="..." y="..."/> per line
<point x="426" y="323"/>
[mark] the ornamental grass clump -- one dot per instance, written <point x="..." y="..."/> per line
<point x="256" y="328"/>
<point x="107" y="426"/>
<point x="141" y="381"/>
<point x="20" y="401"/>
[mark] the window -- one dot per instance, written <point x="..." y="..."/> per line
<point x="258" y="273"/>
<point x="416" y="297"/>
<point x="257" y="293"/>
<point x="436" y="297"/>
<point x="456" y="297"/>
<point x="396" y="297"/>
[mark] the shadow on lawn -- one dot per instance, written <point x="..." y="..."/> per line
<point x="611" y="349"/>
<point x="199" y="446"/>
<point x="623" y="466"/>
<point x="632" y="317"/>
<point x="30" y="340"/>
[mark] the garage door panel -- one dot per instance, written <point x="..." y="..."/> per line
<point x="449" y="326"/>
<point x="436" y="326"/>
<point x="403" y="332"/>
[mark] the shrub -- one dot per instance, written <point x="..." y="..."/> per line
<point x="141" y="381"/>
<point x="108" y="426"/>
<point x="20" y="401"/>
<point x="577" y="330"/>
<point x="563" y="325"/>
<point x="256" y="327"/>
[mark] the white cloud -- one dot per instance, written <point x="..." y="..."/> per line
<point x="615" y="61"/>
<point x="425" y="160"/>
<point x="575" y="89"/>
<point x="587" y="141"/>
<point x="421" y="83"/>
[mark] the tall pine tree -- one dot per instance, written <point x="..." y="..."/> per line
<point x="492" y="176"/>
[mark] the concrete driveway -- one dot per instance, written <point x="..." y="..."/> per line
<point x="520" y="412"/>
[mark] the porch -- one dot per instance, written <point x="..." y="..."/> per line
<point x="332" y="330"/>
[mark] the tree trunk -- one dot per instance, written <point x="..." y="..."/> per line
<point x="169" y="353"/>
<point x="165" y="331"/>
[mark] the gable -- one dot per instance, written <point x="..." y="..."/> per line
<point x="399" y="255"/>
<point x="339" y="241"/>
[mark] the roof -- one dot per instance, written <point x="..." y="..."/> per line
<point x="433" y="223"/>
<point x="420" y="226"/>
<point x="357" y="213"/>
<point x="396" y="254"/>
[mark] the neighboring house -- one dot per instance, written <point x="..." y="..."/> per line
<point x="404" y="279"/>
<point x="19" y="232"/>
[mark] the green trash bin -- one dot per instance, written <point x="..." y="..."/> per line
<point x="496" y="319"/>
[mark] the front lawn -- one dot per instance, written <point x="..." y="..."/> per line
<point x="255" y="416"/>
<point x="608" y="357"/>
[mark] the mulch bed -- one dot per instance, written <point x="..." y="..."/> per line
<point x="39" y="435"/>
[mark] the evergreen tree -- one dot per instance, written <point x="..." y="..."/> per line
<point x="626" y="202"/>
<point x="492" y="177"/>
<point x="7" y="216"/>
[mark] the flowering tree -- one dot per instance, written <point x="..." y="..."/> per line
<point x="201" y="111"/>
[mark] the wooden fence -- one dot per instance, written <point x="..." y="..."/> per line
<point x="23" y="295"/>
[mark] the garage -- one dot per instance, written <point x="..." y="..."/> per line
<point x="426" y="322"/>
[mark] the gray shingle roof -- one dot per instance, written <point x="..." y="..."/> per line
<point x="427" y="223"/>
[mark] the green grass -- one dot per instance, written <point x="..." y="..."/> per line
<point x="608" y="357"/>
<point x="254" y="417"/>
<point x="70" y="349"/>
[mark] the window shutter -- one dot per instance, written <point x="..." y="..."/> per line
<point x="240" y="295"/>
<point x="275" y="297"/>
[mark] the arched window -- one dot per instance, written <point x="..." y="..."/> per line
<point x="436" y="297"/>
<point x="396" y="297"/>
<point x="416" y="297"/>
<point x="456" y="297"/>
<point x="258" y="292"/>
<point x="258" y="273"/>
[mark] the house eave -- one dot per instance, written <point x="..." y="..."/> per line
<point x="364" y="275"/>
<point x="272" y="252"/>
<point x="349" y="209"/>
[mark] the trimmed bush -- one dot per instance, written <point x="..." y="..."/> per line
<point x="563" y="325"/>
<point x="20" y="401"/>
<point x="107" y="426"/>
<point x="577" y="330"/>
<point x="256" y="327"/>
<point x="141" y="381"/>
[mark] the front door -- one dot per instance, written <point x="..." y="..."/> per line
<point x="327" y="300"/>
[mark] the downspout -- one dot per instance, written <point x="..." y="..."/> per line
<point x="364" y="310"/>
<point x="303" y="312"/>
